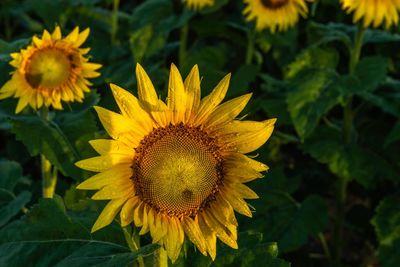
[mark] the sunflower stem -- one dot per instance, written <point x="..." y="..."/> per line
<point x="160" y="258"/>
<point x="325" y="246"/>
<point x="114" y="22"/>
<point x="49" y="175"/>
<point x="133" y="243"/>
<point x="250" y="46"/>
<point x="183" y="44"/>
<point x="347" y="128"/>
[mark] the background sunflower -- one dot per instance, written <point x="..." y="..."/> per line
<point x="49" y="70"/>
<point x="373" y="13"/>
<point x="275" y="15"/>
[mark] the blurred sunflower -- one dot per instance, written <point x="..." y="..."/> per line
<point x="276" y="15"/>
<point x="373" y="12"/>
<point x="177" y="168"/>
<point x="49" y="70"/>
<point x="197" y="4"/>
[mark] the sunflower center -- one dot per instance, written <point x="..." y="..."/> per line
<point x="48" y="68"/>
<point x="177" y="170"/>
<point x="274" y="4"/>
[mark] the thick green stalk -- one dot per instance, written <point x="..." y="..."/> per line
<point x="250" y="47"/>
<point x="49" y="176"/>
<point x="347" y="129"/>
<point x="114" y="22"/>
<point x="133" y="243"/>
<point x="183" y="44"/>
<point x="160" y="258"/>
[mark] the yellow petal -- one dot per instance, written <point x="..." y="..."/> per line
<point x="108" y="146"/>
<point x="103" y="163"/>
<point x="223" y="212"/>
<point x="115" y="190"/>
<point x="137" y="216"/>
<point x="193" y="231"/>
<point x="73" y="36"/>
<point x="130" y="107"/>
<point x="56" y="35"/>
<point x="157" y="229"/>
<point x="240" y="168"/>
<point x="146" y="90"/>
<point x="242" y="191"/>
<point x="174" y="239"/>
<point x="192" y="87"/>
<point x="46" y="35"/>
<point x="37" y="41"/>
<point x="161" y="114"/>
<point x="117" y="175"/>
<point x="245" y="162"/>
<point x="208" y="103"/>
<point x="222" y="232"/>
<point x="209" y="237"/>
<point x="227" y="111"/>
<point x="144" y="218"/>
<point x="8" y="89"/>
<point x="126" y="214"/>
<point x="247" y="136"/>
<point x="176" y="95"/>
<point x="82" y="37"/>
<point x="22" y="103"/>
<point x="237" y="203"/>
<point x="108" y="214"/>
<point x="117" y="125"/>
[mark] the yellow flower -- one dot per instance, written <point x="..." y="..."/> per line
<point x="276" y="15"/>
<point x="49" y="70"/>
<point x="197" y="4"/>
<point x="176" y="169"/>
<point x="373" y="12"/>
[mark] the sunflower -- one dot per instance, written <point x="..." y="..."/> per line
<point x="373" y="12"/>
<point x="275" y="14"/>
<point x="197" y="4"/>
<point x="176" y="169"/>
<point x="49" y="70"/>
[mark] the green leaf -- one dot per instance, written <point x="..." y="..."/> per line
<point x="389" y="102"/>
<point x="43" y="137"/>
<point x="394" y="134"/>
<point x="389" y="255"/>
<point x="375" y="36"/>
<point x="352" y="161"/>
<point x="308" y="220"/>
<point x="46" y="220"/>
<point x="313" y="58"/>
<point x="151" y="12"/>
<point x="282" y="219"/>
<point x="253" y="251"/>
<point x="242" y="79"/>
<point x="387" y="220"/>
<point x="48" y="10"/>
<point x="69" y="252"/>
<point x="326" y="33"/>
<point x="314" y="93"/>
<point x="387" y="227"/>
<point x="370" y="72"/>
<point x="140" y="41"/>
<point x="8" y="211"/>
<point x="10" y="174"/>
